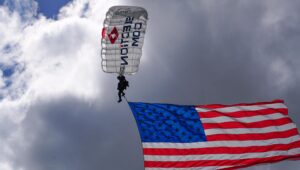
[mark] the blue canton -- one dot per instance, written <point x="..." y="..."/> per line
<point x="168" y="123"/>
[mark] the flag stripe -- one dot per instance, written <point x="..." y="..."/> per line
<point x="220" y="150"/>
<point x="212" y="144"/>
<point x="222" y="143"/>
<point x="239" y="114"/>
<point x="257" y="136"/>
<point x="222" y="119"/>
<point x="247" y="155"/>
<point x="197" y="168"/>
<point x="213" y="106"/>
<point x="243" y="108"/>
<point x="250" y="131"/>
<point x="204" y="163"/>
<point x="258" y="124"/>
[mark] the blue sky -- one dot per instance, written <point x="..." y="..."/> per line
<point x="7" y="71"/>
<point x="50" y="8"/>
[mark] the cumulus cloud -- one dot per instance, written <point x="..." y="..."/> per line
<point x="50" y="58"/>
<point x="26" y="8"/>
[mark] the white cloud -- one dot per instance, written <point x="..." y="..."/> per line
<point x="76" y="8"/>
<point x="10" y="30"/>
<point x="27" y="8"/>
<point x="281" y="73"/>
<point x="59" y="56"/>
<point x="54" y="58"/>
<point x="5" y="166"/>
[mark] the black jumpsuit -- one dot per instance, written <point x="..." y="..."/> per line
<point x="122" y="85"/>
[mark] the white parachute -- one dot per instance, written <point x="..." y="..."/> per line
<point x="122" y="39"/>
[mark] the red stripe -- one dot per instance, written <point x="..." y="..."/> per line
<point x="204" y="163"/>
<point x="240" y="114"/>
<point x="256" y="136"/>
<point x="221" y="150"/>
<point x="260" y="124"/>
<point x="277" y="159"/>
<point x="213" y="106"/>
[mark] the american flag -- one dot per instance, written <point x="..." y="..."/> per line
<point x="215" y="136"/>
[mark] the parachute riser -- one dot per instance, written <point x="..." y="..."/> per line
<point x="122" y="71"/>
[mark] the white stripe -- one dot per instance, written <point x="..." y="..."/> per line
<point x="222" y="119"/>
<point x="223" y="143"/>
<point x="222" y="156"/>
<point x="197" y="168"/>
<point x="244" y="108"/>
<point x="251" y="130"/>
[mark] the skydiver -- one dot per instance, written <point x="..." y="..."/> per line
<point x="122" y="85"/>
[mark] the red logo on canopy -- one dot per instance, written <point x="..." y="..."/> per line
<point x="113" y="35"/>
<point x="103" y="32"/>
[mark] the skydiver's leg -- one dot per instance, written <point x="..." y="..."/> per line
<point x="119" y="94"/>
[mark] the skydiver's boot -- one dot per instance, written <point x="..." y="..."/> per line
<point x="120" y="99"/>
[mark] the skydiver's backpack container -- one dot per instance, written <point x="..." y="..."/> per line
<point x="126" y="84"/>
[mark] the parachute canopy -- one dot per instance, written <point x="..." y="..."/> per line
<point x="122" y="39"/>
